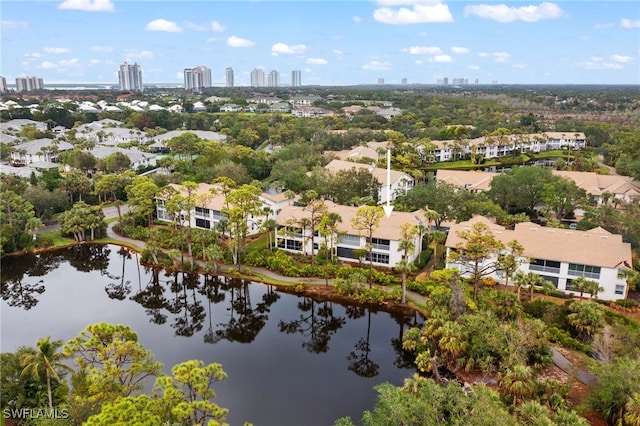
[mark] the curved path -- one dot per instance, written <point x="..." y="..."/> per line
<point x="565" y="365"/>
<point x="231" y="268"/>
<point x="558" y="359"/>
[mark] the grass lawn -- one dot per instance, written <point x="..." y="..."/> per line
<point x="260" y="243"/>
<point x="57" y="238"/>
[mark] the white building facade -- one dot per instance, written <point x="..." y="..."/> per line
<point x="560" y="255"/>
<point x="291" y="237"/>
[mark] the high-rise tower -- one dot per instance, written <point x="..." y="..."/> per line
<point x="296" y="78"/>
<point x="197" y="78"/>
<point x="273" y="79"/>
<point x="229" y="74"/>
<point x="257" y="78"/>
<point x="130" y="77"/>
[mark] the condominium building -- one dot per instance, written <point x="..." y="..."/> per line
<point x="558" y="255"/>
<point x="385" y="243"/>
<point x="3" y="85"/>
<point x="229" y="77"/>
<point x="197" y="78"/>
<point x="130" y="77"/>
<point x="296" y="78"/>
<point x="28" y="84"/>
<point x="258" y="78"/>
<point x="273" y="79"/>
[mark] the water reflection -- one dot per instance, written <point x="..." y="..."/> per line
<point x="294" y="349"/>
<point x="316" y="324"/>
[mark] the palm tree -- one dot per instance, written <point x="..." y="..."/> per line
<point x="47" y="359"/>
<point x="632" y="416"/>
<point x="585" y="285"/>
<point x="406" y="246"/>
<point x="439" y="237"/>
<point x="270" y="225"/>
<point x="517" y="381"/>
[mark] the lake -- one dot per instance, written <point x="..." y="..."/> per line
<point x="290" y="360"/>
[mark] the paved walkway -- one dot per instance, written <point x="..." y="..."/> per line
<point x="565" y="365"/>
<point x="558" y="359"/>
<point x="255" y="270"/>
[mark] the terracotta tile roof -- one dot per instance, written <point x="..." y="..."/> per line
<point x="389" y="226"/>
<point x="596" y="247"/>
<point x="467" y="179"/>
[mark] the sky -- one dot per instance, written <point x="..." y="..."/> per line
<point x="330" y="42"/>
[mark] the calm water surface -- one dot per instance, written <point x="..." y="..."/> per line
<point x="290" y="360"/>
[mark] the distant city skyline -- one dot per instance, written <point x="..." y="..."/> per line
<point x="331" y="43"/>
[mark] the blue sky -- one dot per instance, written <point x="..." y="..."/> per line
<point x="331" y="42"/>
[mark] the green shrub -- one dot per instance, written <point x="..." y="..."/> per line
<point x="627" y="303"/>
<point x="45" y="240"/>
<point x="423" y="258"/>
<point x="257" y="258"/>
<point x="563" y="338"/>
<point x="538" y="308"/>
<point x="370" y="295"/>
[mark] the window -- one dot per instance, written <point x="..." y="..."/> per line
<point x="379" y="258"/>
<point x="553" y="280"/>
<point x="345" y="252"/>
<point x="350" y="240"/>
<point x="290" y="245"/>
<point x="203" y="223"/>
<point x="586" y="271"/>
<point x="379" y="243"/>
<point x="202" y="212"/>
<point x="543" y="265"/>
<point x="619" y="289"/>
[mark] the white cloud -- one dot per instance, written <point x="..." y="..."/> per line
<point x="88" y="5"/>
<point x="457" y="49"/>
<point x="217" y="27"/>
<point x="628" y="23"/>
<point x="603" y="26"/>
<point x="214" y="26"/>
<point x="13" y="25"/>
<point x="596" y="63"/>
<point x="317" y="61"/>
<point x="423" y="50"/>
<point x="196" y="27"/>
<point x="483" y="54"/>
<point x="501" y="56"/>
<point x="179" y="75"/>
<point x="93" y="62"/>
<point x="285" y="49"/>
<point x="234" y="41"/>
<point x="357" y="19"/>
<point x="33" y="55"/>
<point x="163" y="25"/>
<point x="474" y="67"/>
<point x="520" y="66"/>
<point x="132" y="55"/>
<point x="47" y="65"/>
<point x="337" y="52"/>
<point x="419" y="62"/>
<point x="441" y="58"/>
<point x="419" y="13"/>
<point x="376" y="65"/>
<point x="70" y="66"/>
<point x="620" y="58"/>
<point x="104" y="49"/>
<point x="504" y="13"/>
<point x="56" y="50"/>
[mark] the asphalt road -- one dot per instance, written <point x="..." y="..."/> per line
<point x="109" y="213"/>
